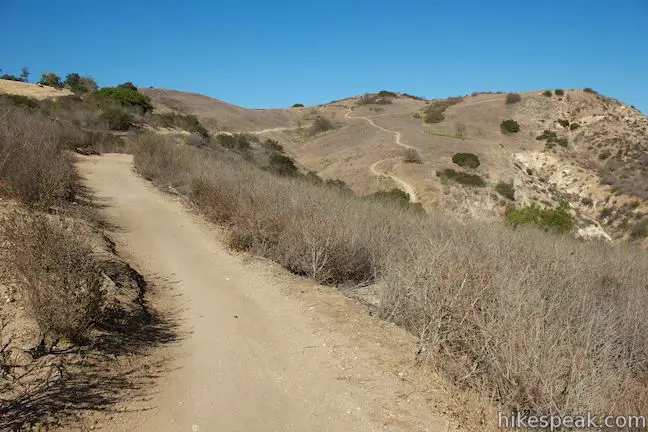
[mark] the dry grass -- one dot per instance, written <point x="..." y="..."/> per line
<point x="34" y="166"/>
<point x="540" y="324"/>
<point x="535" y="322"/>
<point x="58" y="276"/>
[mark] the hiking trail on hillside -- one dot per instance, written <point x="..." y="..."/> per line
<point x="263" y="350"/>
<point x="408" y="188"/>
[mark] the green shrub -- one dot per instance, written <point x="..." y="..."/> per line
<point x="556" y="220"/>
<point x="126" y="95"/>
<point x="509" y="126"/>
<point x="559" y="92"/>
<point x="419" y="98"/>
<point x="385" y="93"/>
<point x="462" y="177"/>
<point x="416" y="115"/>
<point x="506" y="190"/>
<point x="547" y="135"/>
<point x="11" y="78"/>
<point x="466" y="160"/>
<point x="118" y="118"/>
<point x="512" y="98"/>
<point x="547" y="93"/>
<point x="563" y="122"/>
<point x="51" y="79"/>
<point x="563" y="142"/>
<point x="398" y="197"/>
<point x="79" y="84"/>
<point x="298" y="105"/>
<point x="589" y="90"/>
<point x="282" y="165"/>
<point x="574" y="126"/>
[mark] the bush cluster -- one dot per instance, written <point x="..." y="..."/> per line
<point x="466" y="160"/>
<point x="509" y="126"/>
<point x="506" y="190"/>
<point x="125" y="95"/>
<point x="462" y="177"/>
<point x="557" y="220"/>
<point x="512" y="98"/>
<point x="433" y="113"/>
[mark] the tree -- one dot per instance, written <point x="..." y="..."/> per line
<point x="50" y="79"/>
<point x="24" y="74"/>
<point x="79" y="84"/>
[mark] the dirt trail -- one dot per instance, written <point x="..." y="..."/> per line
<point x="264" y="350"/>
<point x="397" y="140"/>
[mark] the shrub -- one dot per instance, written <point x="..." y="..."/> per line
<point x="412" y="156"/>
<point x="574" y="126"/>
<point x="547" y="93"/>
<point x="34" y="165"/>
<point x="559" y="92"/>
<point x="19" y="100"/>
<point x="236" y="142"/>
<point x="564" y="123"/>
<point x="321" y="124"/>
<point x="51" y="79"/>
<point x="79" y="84"/>
<point x="273" y="145"/>
<point x="388" y="94"/>
<point x="399" y="198"/>
<point x="512" y="98"/>
<point x="117" y="118"/>
<point x="416" y="115"/>
<point x="298" y="105"/>
<point x="190" y="123"/>
<point x="563" y="142"/>
<point x="639" y="230"/>
<point x="556" y="220"/>
<point x="434" y="111"/>
<point x="282" y="165"/>
<point x="589" y="90"/>
<point x="126" y="95"/>
<point x="604" y="154"/>
<point x="509" y="126"/>
<point x="462" y="177"/>
<point x="466" y="160"/>
<point x="506" y="190"/>
<point x="461" y="130"/>
<point x="419" y="98"/>
<point x="11" y="78"/>
<point x="60" y="278"/>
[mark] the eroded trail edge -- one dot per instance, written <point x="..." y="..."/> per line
<point x="265" y="350"/>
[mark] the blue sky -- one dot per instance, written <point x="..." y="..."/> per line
<point x="276" y="53"/>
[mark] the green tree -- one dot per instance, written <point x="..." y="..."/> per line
<point x="24" y="74"/>
<point x="51" y="79"/>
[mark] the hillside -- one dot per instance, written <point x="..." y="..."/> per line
<point x="592" y="155"/>
<point x="216" y="115"/>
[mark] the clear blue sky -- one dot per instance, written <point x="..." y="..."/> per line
<point x="276" y="53"/>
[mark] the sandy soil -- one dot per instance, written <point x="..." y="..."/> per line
<point x="263" y="350"/>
